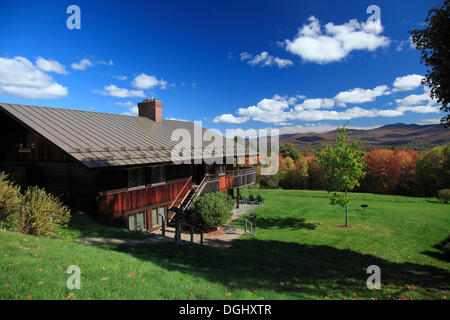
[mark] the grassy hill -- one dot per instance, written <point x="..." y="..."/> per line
<point x="299" y="252"/>
<point x="411" y="136"/>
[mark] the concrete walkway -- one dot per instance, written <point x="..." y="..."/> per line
<point x="217" y="239"/>
<point x="243" y="209"/>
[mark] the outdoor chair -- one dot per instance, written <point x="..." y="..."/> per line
<point x="259" y="199"/>
<point x="251" y="199"/>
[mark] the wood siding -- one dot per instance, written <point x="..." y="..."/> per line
<point x="114" y="207"/>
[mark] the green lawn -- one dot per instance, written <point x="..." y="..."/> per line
<point x="299" y="252"/>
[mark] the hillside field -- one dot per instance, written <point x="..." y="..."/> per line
<point x="299" y="252"/>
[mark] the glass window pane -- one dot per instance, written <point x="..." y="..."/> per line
<point x="132" y="222"/>
<point x="154" y="217"/>
<point x="162" y="211"/>
<point x="132" y="178"/>
<point x="158" y="174"/>
<point x="140" y="177"/>
<point x="141" y="221"/>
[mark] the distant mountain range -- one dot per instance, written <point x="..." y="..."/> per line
<point x="410" y="136"/>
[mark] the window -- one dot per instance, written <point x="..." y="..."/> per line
<point x="158" y="174"/>
<point x="157" y="214"/>
<point x="178" y="171"/>
<point x="137" y="221"/>
<point x="136" y="177"/>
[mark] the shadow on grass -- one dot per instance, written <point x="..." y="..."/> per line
<point x="82" y="225"/>
<point x="443" y="247"/>
<point x="292" y="269"/>
<point x="283" y="223"/>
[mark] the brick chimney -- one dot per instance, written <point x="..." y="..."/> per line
<point x="150" y="108"/>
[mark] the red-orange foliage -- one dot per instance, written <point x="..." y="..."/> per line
<point x="390" y="171"/>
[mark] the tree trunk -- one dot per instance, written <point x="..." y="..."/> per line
<point x="346" y="210"/>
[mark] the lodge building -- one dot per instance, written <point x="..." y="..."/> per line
<point x="117" y="167"/>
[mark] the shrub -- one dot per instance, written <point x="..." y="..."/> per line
<point x="10" y="198"/>
<point x="211" y="211"/>
<point x="41" y="214"/>
<point x="444" y="195"/>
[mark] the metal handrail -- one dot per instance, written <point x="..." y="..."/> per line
<point x="177" y="237"/>
<point x="240" y="172"/>
<point x="252" y="227"/>
<point x="200" y="188"/>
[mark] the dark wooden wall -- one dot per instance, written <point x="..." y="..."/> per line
<point x="41" y="163"/>
<point x="113" y="207"/>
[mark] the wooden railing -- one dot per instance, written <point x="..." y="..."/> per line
<point x="181" y="191"/>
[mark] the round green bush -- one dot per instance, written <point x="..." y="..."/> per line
<point x="211" y="211"/>
<point x="33" y="212"/>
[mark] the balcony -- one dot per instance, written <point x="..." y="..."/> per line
<point x="242" y="177"/>
<point x="231" y="179"/>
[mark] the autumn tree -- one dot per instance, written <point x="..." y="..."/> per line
<point x="433" y="42"/>
<point x="343" y="167"/>
<point x="288" y="150"/>
<point x="433" y="171"/>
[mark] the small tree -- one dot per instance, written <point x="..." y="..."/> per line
<point x="343" y="168"/>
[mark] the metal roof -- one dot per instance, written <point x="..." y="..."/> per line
<point x="104" y="139"/>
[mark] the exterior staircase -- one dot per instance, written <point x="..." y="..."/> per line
<point x="190" y="197"/>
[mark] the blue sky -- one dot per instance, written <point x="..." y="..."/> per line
<point x="296" y="65"/>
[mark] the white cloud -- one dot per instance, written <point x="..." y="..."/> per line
<point x="267" y="110"/>
<point x="314" y="45"/>
<point x="177" y="119"/>
<point x="420" y="109"/>
<point x="316" y="103"/>
<point x="245" y="56"/>
<point x="126" y="104"/>
<point x="120" y="77"/>
<point x="405" y="43"/>
<point x="50" y="66"/>
<point x="229" y="118"/>
<point x="317" y="128"/>
<point x="132" y="111"/>
<point x="409" y="82"/>
<point x="82" y="65"/>
<point x="359" y="95"/>
<point x="20" y="78"/>
<point x="414" y="99"/>
<point x="279" y="110"/>
<point x="431" y="121"/>
<point x="144" y="81"/>
<point x="264" y="59"/>
<point x="107" y="63"/>
<point x="113" y="91"/>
